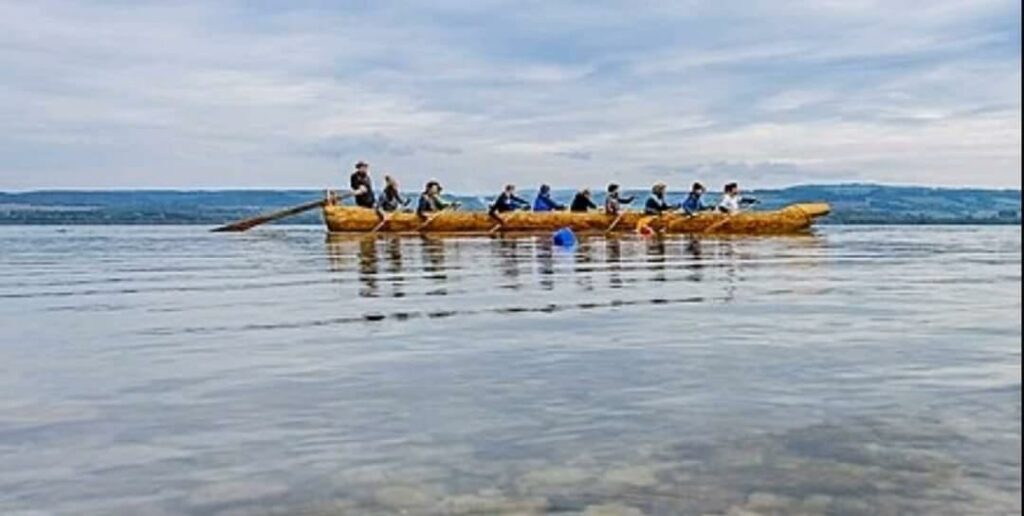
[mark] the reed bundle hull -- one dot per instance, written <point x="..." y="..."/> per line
<point x="795" y="218"/>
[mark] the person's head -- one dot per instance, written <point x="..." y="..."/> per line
<point x="585" y="192"/>
<point x="362" y="167"/>
<point x="510" y="188"/>
<point x="613" y="188"/>
<point x="658" y="188"/>
<point x="433" y="187"/>
<point x="732" y="188"/>
<point x="390" y="181"/>
<point x="697" y="189"/>
<point x="545" y="189"/>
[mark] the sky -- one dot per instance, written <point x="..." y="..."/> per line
<point x="478" y="93"/>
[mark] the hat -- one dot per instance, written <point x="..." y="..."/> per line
<point x="361" y="164"/>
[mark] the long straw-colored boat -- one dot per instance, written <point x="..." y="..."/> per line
<point x="796" y="218"/>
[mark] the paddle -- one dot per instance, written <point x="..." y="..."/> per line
<point x="718" y="224"/>
<point x="499" y="225"/>
<point x="383" y="220"/>
<point x="614" y="222"/>
<point x="730" y="215"/>
<point x="246" y="224"/>
<point x="431" y="218"/>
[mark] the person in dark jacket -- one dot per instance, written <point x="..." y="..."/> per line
<point x="544" y="202"/>
<point x="581" y="202"/>
<point x="390" y="197"/>
<point x="507" y="201"/>
<point x="693" y="203"/>
<point x="656" y="203"/>
<point x="431" y="201"/>
<point x="362" y="187"/>
<point x="612" y="202"/>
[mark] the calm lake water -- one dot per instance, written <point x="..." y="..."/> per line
<point x="863" y="370"/>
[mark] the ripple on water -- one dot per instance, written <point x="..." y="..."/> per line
<point x="171" y="371"/>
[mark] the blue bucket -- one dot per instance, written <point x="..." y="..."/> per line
<point x="564" y="237"/>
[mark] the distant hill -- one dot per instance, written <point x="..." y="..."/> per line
<point x="851" y="203"/>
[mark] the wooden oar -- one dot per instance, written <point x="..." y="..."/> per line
<point x="718" y="224"/>
<point x="499" y="225"/>
<point x="245" y="224"/>
<point x="383" y="220"/>
<point x="614" y="222"/>
<point x="431" y="218"/>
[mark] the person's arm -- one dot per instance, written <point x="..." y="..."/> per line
<point x="627" y="200"/>
<point x="590" y="204"/>
<point x="520" y="202"/>
<point x="357" y="184"/>
<point x="553" y="204"/>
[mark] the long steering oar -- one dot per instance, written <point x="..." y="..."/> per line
<point x="245" y="224"/>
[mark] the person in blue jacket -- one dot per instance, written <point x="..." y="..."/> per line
<point x="544" y="202"/>
<point x="693" y="202"/>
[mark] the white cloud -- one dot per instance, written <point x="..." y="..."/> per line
<point x="208" y="95"/>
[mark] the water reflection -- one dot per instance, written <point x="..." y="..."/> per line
<point x="432" y="254"/>
<point x="584" y="264"/>
<point x="504" y="253"/>
<point x="368" y="267"/>
<point x="714" y="268"/>
<point x="695" y="264"/>
<point x="544" y="254"/>
<point x="613" y="255"/>
<point x="655" y="248"/>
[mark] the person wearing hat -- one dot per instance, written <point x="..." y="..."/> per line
<point x="362" y="187"/>
<point x="693" y="202"/>
<point x="581" y="202"/>
<point x="430" y="200"/>
<point x="612" y="202"/>
<point x="656" y="203"/>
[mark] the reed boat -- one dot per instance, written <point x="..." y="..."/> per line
<point x="796" y="218"/>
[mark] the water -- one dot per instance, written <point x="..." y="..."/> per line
<point x="167" y="370"/>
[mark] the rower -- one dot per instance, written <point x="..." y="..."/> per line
<point x="390" y="197"/>
<point x="362" y="187"/>
<point x="581" y="202"/>
<point x="507" y="201"/>
<point x="732" y="200"/>
<point x="693" y="202"/>
<point x="430" y="200"/>
<point x="656" y="203"/>
<point x="544" y="202"/>
<point x="613" y="202"/>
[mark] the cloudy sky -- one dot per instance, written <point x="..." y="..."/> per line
<point x="477" y="92"/>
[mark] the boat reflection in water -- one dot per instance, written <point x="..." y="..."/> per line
<point x="535" y="275"/>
